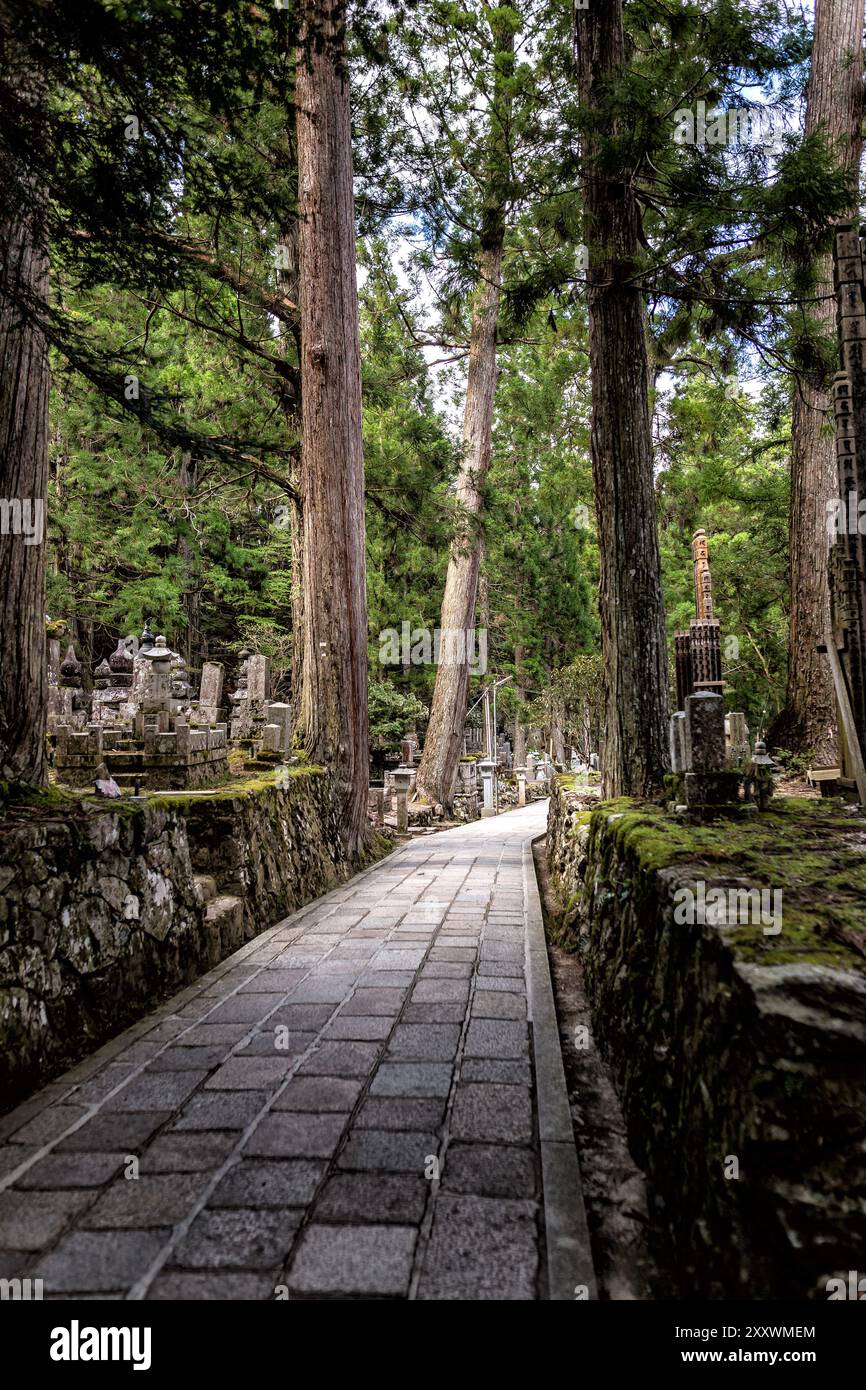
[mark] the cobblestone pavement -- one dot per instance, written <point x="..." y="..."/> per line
<point x="363" y="1102"/>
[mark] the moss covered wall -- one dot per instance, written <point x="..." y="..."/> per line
<point x="100" y="915"/>
<point x="728" y="1043"/>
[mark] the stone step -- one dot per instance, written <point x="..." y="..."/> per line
<point x="225" y="917"/>
<point x="206" y="887"/>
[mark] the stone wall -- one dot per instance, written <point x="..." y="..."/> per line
<point x="740" y="1057"/>
<point x="102" y="910"/>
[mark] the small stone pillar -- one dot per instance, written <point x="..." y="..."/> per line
<point x="379" y="804"/>
<point x="488" y="768"/>
<point x="407" y="753"/>
<point x="530" y="766"/>
<point x="521" y="785"/>
<point x="280" y="713"/>
<point x="402" y="779"/>
<point x="678" y="742"/>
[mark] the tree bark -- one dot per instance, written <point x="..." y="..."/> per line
<point x="191" y="577"/>
<point x="24" y="382"/>
<point x="635" y="755"/>
<point x="519" y="752"/>
<point x="437" y="770"/>
<point x="834" y="104"/>
<point x="333" y="720"/>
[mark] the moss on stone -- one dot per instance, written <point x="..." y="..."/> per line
<point x="230" y="791"/>
<point x="814" y="852"/>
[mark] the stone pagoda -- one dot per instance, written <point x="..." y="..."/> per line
<point x="710" y="753"/>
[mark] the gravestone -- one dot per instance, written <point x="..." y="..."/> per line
<point x="279" y="713"/>
<point x="488" y="769"/>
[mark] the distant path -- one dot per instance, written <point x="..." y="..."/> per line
<point x="290" y="1110"/>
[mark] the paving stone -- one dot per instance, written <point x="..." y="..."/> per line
<point x="187" y="1153"/>
<point x="452" y="953"/>
<point x="433" y="1013"/>
<point x="387" y="979"/>
<point x="250" y="1073"/>
<point x="141" y="1051"/>
<point x="31" y="1224"/>
<point x="405" y="959"/>
<point x="323" y="989"/>
<point x="446" y="970"/>
<point x="401" y="1112"/>
<point x="354" y="1260"/>
<point x="300" y="1018"/>
<point x="359" y="1027"/>
<point x="162" y="1090"/>
<point x="214" y="1035"/>
<point x="509" y="1073"/>
<point x="65" y="1170"/>
<point x="187" y="1059"/>
<point x="481" y="1248"/>
<point x="145" y="1201"/>
<point x="48" y="1125"/>
<point x="499" y="969"/>
<point x="212" y="1288"/>
<point x="371" y="1197"/>
<point x="513" y="984"/>
<point x="490" y="1170"/>
<point x="296" y="1134"/>
<point x="99" y="1261"/>
<point x="490" y="1112"/>
<point x="268" y="1183"/>
<point x="436" y="1041"/>
<point x="440" y="991"/>
<point x="389" y="1151"/>
<point x="289" y="1046"/>
<point x="340" y="1059"/>
<point x="375" y="1001"/>
<point x="95" y="1089"/>
<point x="412" y="1079"/>
<point x="250" y="1238"/>
<point x="221" y="1110"/>
<point x="117" y="1132"/>
<point x="496" y="1038"/>
<point x="272" y="982"/>
<point x="242" y="1008"/>
<point x="498" y="1004"/>
<point x="319" y="1093"/>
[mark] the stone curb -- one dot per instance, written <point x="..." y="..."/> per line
<point x="569" y="1253"/>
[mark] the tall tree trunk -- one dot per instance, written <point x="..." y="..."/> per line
<point x="290" y="338"/>
<point x="519" y="757"/>
<point x="630" y="595"/>
<point x="332" y="720"/>
<point x="437" y="769"/>
<point x="438" y="766"/>
<point x="834" y="104"/>
<point x="24" y="383"/>
<point x="188" y="554"/>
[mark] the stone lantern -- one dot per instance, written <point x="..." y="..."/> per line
<point x="402" y="780"/>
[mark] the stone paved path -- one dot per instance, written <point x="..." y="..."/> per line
<point x="367" y="1100"/>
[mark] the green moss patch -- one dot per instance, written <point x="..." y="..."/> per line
<point x="814" y="852"/>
